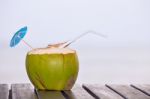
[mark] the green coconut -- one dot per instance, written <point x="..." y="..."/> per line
<point x="52" y="68"/>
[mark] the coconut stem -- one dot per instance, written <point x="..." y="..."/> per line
<point x="83" y="34"/>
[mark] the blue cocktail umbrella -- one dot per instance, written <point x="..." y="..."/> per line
<point x="18" y="36"/>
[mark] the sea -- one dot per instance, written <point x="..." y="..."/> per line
<point x="102" y="65"/>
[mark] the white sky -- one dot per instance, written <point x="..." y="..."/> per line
<point x="126" y="22"/>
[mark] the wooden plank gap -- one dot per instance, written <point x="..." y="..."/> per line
<point x="36" y="93"/>
<point x="116" y="91"/>
<point x="65" y="95"/>
<point x="140" y="90"/>
<point x="10" y="94"/>
<point x="90" y="92"/>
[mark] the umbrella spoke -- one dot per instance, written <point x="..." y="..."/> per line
<point x="27" y="44"/>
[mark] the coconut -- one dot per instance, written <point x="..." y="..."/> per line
<point x="52" y="68"/>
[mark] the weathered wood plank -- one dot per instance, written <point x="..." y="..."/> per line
<point x="49" y="94"/>
<point x="128" y="92"/>
<point x="145" y="88"/>
<point x="101" y="91"/>
<point x="77" y="92"/>
<point x="22" y="91"/>
<point x="4" y="91"/>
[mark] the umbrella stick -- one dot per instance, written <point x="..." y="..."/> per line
<point x="27" y="44"/>
<point x="83" y="34"/>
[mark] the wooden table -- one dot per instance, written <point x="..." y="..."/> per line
<point x="86" y="91"/>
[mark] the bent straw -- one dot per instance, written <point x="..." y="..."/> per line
<point x="83" y="34"/>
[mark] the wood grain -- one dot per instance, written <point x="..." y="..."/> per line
<point x="101" y="91"/>
<point x="128" y="92"/>
<point x="49" y="94"/>
<point x="22" y="91"/>
<point x="77" y="92"/>
<point x="4" y="91"/>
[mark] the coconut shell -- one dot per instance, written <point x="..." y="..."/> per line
<point x="52" y="68"/>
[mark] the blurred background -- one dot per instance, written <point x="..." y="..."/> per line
<point x="123" y="57"/>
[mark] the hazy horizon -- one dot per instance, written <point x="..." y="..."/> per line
<point x="123" y="57"/>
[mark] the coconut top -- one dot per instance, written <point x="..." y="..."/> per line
<point x="51" y="50"/>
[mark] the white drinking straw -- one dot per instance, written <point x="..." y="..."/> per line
<point x="83" y="34"/>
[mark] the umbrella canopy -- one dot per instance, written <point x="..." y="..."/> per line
<point x="18" y="36"/>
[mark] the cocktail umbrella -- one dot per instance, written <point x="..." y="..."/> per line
<point x="18" y="36"/>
